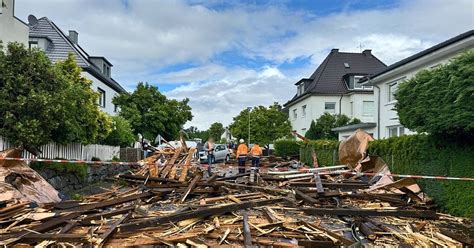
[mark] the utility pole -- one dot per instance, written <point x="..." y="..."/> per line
<point x="249" y="108"/>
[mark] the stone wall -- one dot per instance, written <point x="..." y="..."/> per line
<point x="67" y="182"/>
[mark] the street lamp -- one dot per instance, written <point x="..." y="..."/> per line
<point x="249" y="108"/>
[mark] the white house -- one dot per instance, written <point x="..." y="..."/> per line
<point x="46" y="35"/>
<point x="335" y="88"/>
<point x="386" y="82"/>
<point x="11" y="28"/>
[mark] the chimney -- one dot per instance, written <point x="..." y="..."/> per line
<point x="335" y="50"/>
<point x="7" y="7"/>
<point x="367" y="52"/>
<point x="73" y="36"/>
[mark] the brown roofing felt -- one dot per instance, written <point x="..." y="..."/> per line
<point x="328" y="77"/>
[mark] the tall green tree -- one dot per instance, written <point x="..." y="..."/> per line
<point x="440" y="101"/>
<point x="215" y="131"/>
<point x="121" y="134"/>
<point x="266" y="124"/>
<point x="321" y="128"/>
<point x="151" y="113"/>
<point x="42" y="102"/>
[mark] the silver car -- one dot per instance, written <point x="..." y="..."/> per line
<point x="221" y="153"/>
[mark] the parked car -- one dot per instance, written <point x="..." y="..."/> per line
<point x="221" y="153"/>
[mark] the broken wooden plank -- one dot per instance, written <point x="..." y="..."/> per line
<point x="306" y="198"/>
<point x="150" y="179"/>
<point x="203" y="213"/>
<point x="428" y="214"/>
<point x="112" y="202"/>
<point x="113" y="228"/>
<point x="246" y="228"/>
<point x="64" y="237"/>
<point x="269" y="215"/>
<point x="190" y="187"/>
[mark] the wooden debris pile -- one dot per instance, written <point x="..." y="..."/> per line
<point x="274" y="208"/>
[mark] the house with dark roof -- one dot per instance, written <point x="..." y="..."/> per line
<point x="386" y="82"/>
<point x="46" y="35"/>
<point x="11" y="27"/>
<point x="335" y="88"/>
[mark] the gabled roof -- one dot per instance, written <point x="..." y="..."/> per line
<point x="61" y="46"/>
<point x="425" y="52"/>
<point x="327" y="79"/>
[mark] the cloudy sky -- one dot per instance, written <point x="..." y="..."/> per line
<point x="225" y="55"/>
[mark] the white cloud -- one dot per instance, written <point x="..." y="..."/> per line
<point x="150" y="35"/>
<point x="222" y="99"/>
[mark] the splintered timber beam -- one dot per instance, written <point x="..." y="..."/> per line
<point x="202" y="213"/>
<point x="150" y="179"/>
<point x="190" y="187"/>
<point x="233" y="177"/>
<point x="64" y="237"/>
<point x="246" y="228"/>
<point x="333" y="185"/>
<point x="427" y="214"/>
<point x="306" y="198"/>
<point x="113" y="228"/>
<point x="112" y="202"/>
<point x="251" y="187"/>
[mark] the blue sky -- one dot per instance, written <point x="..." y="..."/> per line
<point x="227" y="55"/>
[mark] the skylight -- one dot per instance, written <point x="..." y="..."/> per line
<point x="346" y="65"/>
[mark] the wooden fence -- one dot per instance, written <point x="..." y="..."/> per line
<point x="70" y="151"/>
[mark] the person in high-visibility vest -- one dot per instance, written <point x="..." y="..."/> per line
<point x="256" y="152"/>
<point x="241" y="155"/>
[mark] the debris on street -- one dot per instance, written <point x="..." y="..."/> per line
<point x="172" y="201"/>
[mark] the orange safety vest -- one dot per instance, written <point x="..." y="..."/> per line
<point x="256" y="151"/>
<point x="242" y="150"/>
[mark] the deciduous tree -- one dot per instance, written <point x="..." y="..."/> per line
<point x="321" y="129"/>
<point x="151" y="113"/>
<point x="266" y="124"/>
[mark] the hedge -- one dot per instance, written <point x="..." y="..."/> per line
<point x="411" y="154"/>
<point x="425" y="155"/>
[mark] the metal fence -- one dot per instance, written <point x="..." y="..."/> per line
<point x="70" y="151"/>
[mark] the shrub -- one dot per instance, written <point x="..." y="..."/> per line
<point x="326" y="152"/>
<point x="285" y="148"/>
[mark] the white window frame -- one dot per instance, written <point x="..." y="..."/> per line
<point x="355" y="82"/>
<point x="303" y="111"/>
<point x="102" y="97"/>
<point x="352" y="109"/>
<point x="391" y="91"/>
<point x="364" y="110"/>
<point x="400" y="130"/>
<point x="295" y="113"/>
<point x="326" y="109"/>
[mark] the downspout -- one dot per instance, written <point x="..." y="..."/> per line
<point x="340" y="107"/>
<point x="378" y="110"/>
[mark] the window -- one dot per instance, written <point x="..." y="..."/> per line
<point x="358" y="85"/>
<point x="330" y="107"/>
<point x="101" y="97"/>
<point x="33" y="44"/>
<point x="392" y="88"/>
<point x="300" y="89"/>
<point x="368" y="108"/>
<point x="395" y="131"/>
<point x="303" y="111"/>
<point x="295" y="114"/>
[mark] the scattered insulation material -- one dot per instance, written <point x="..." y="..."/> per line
<point x="172" y="201"/>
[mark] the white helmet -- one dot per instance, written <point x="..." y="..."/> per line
<point x="241" y="140"/>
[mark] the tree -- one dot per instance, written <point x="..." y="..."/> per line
<point x="266" y="124"/>
<point x="151" y="113"/>
<point x="121" y="134"/>
<point x="215" y="131"/>
<point x="440" y="101"/>
<point x="321" y="129"/>
<point x="41" y="102"/>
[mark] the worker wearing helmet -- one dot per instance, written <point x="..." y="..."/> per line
<point x="241" y="155"/>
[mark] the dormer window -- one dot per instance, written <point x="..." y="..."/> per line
<point x="300" y="89"/>
<point x="353" y="83"/>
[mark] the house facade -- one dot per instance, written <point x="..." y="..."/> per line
<point x="386" y="81"/>
<point x="11" y="28"/>
<point x="47" y="36"/>
<point x="334" y="88"/>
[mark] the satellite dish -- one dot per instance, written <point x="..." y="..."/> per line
<point x="32" y="20"/>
